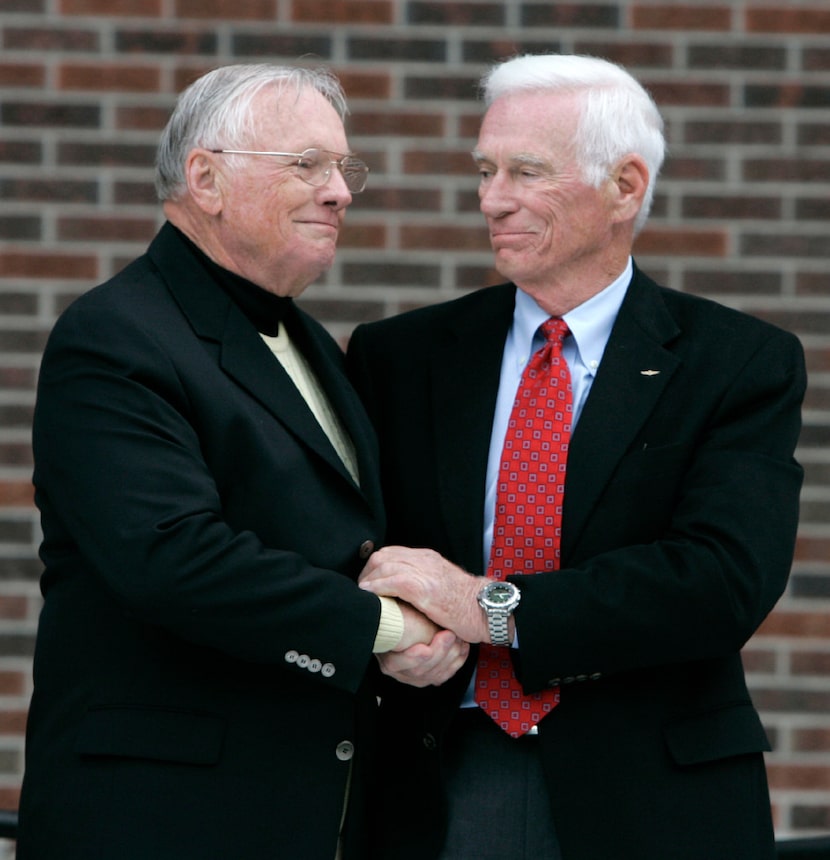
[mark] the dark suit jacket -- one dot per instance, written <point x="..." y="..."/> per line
<point x="680" y="515"/>
<point x="202" y="649"/>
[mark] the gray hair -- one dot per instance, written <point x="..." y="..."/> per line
<point x="617" y="115"/>
<point x="214" y="113"/>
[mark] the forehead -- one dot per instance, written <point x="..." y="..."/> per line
<point x="294" y="120"/>
<point x="531" y="122"/>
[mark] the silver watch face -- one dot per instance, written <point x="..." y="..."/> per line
<point x="499" y="595"/>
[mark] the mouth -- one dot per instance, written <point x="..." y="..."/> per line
<point x="325" y="226"/>
<point x="502" y="236"/>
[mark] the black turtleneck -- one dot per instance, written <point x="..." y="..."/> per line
<point x="263" y="309"/>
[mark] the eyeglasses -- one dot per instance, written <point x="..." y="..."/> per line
<point x="314" y="166"/>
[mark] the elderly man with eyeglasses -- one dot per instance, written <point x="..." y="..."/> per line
<point x="209" y="493"/>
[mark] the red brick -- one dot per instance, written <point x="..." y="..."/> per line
<point x="441" y="163"/>
<point x="22" y="75"/>
<point x="402" y="199"/>
<point x="142" y="118"/>
<point x="44" y="264"/>
<point x="249" y="10"/>
<point x="778" y="19"/>
<point x="12" y="683"/>
<point x="178" y="42"/>
<point x="467" y="14"/>
<point x="414" y="124"/>
<point x="12" y="722"/>
<point x="778" y="170"/>
<point x="718" y="207"/>
<point x="363" y="235"/>
<point x="365" y="85"/>
<point x="111" y="8"/>
<point x="803" y="777"/>
<point x="13" y="606"/>
<point x="799" y="244"/>
<point x="107" y="229"/>
<point x="795" y="624"/>
<point x="134" y="79"/>
<point x="688" y="93"/>
<point x="630" y="53"/>
<point x="343" y="11"/>
<point x="758" y="659"/>
<point x="812" y="284"/>
<point x="811" y="662"/>
<point x="9" y="797"/>
<point x="811" y="740"/>
<point x="50" y="39"/>
<point x="673" y="242"/>
<point x="445" y="237"/>
<point x="683" y="17"/>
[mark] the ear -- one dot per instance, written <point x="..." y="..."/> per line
<point x="204" y="180"/>
<point x="630" y="181"/>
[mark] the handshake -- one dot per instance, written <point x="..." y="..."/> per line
<point x="442" y="616"/>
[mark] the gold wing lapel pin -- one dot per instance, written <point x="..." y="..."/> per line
<point x="649" y="372"/>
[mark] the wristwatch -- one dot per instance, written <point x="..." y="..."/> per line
<point x="498" y="600"/>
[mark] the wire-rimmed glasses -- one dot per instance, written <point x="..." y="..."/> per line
<point x="314" y="165"/>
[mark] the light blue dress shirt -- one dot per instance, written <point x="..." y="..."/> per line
<point x="590" y="324"/>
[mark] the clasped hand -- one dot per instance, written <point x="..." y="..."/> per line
<point x="440" y="609"/>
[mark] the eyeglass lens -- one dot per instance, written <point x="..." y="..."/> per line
<point x="314" y="167"/>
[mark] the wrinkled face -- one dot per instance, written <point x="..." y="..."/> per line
<point x="275" y="229"/>
<point x="546" y="224"/>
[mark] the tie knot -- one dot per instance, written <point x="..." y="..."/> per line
<point x="555" y="329"/>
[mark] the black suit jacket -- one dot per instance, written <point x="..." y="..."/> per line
<point x="202" y="650"/>
<point x="679" y="521"/>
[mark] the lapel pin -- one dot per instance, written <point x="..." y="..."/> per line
<point x="649" y="372"/>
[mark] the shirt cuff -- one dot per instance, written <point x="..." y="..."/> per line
<point x="390" y="626"/>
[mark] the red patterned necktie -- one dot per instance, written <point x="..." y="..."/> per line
<point x="528" y="516"/>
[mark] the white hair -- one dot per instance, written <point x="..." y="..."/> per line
<point x="617" y="115"/>
<point x="214" y="113"/>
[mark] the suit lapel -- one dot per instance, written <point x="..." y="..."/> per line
<point x="464" y="373"/>
<point x="635" y="369"/>
<point x="244" y="356"/>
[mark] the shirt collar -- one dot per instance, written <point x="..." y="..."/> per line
<point x="590" y="323"/>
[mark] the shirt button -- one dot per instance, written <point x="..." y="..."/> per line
<point x="345" y="750"/>
<point x="366" y="549"/>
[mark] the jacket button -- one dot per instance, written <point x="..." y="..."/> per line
<point x="328" y="670"/>
<point x="291" y="656"/>
<point x="429" y="741"/>
<point x="345" y="750"/>
<point x="303" y="660"/>
<point x="366" y="549"/>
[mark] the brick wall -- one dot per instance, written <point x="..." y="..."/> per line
<point x="741" y="214"/>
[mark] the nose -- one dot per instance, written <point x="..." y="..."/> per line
<point x="496" y="195"/>
<point x="334" y="190"/>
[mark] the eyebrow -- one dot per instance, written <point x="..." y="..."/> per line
<point x="520" y="159"/>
